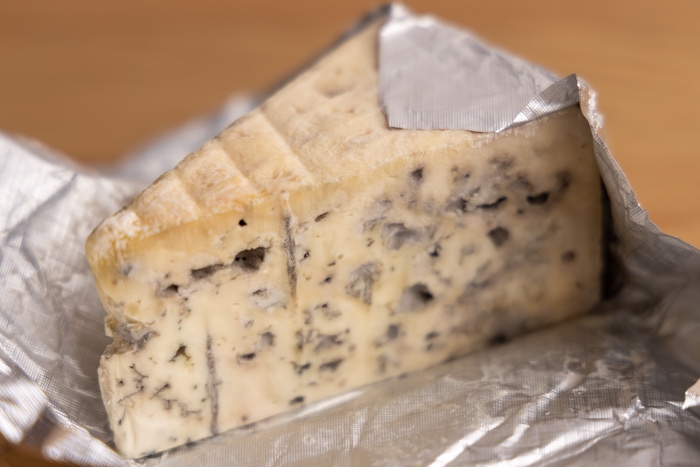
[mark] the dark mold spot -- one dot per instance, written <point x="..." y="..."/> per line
<point x="331" y="366"/>
<point x="568" y="256"/>
<point x="244" y="418"/>
<point x="421" y="291"/>
<point x="435" y="251"/>
<point x="484" y="278"/>
<point x="297" y="400"/>
<point x="392" y="332"/>
<point x="180" y="352"/>
<point x="212" y="387"/>
<point x="126" y="269"/>
<point x="417" y="175"/>
<point x="246" y="357"/>
<point x="461" y="204"/>
<point x="328" y="312"/>
<point x="327" y="341"/>
<point x="457" y="205"/>
<point x="172" y="289"/>
<point x="126" y="339"/>
<point x="308" y="317"/>
<point x="415" y="297"/>
<point x="120" y="382"/>
<point x="538" y="199"/>
<point x="320" y="217"/>
<point x="327" y="280"/>
<point x="140" y="386"/>
<point x="499" y="236"/>
<point x="502" y="162"/>
<point x="250" y="260"/>
<point x="361" y="281"/>
<point x="161" y="389"/>
<point x="300" y="339"/>
<point x="398" y="235"/>
<point x="202" y="273"/>
<point x="431" y="335"/>
<point x="494" y="205"/>
<point x="459" y="176"/>
<point x="289" y="245"/>
<point x="299" y="369"/>
<point x="260" y="293"/>
<point x="306" y="254"/>
<point x="267" y="339"/>
<point x="242" y="223"/>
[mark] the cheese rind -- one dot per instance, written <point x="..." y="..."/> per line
<point x="309" y="250"/>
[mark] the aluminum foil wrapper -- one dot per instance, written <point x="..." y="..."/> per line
<point x="617" y="386"/>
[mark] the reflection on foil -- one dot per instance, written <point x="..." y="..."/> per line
<point x="603" y="389"/>
<point x="435" y="76"/>
<point x="692" y="396"/>
<point x="458" y="448"/>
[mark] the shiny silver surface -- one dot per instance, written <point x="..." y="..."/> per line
<point x="604" y="389"/>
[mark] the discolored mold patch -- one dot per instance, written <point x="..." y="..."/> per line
<point x="250" y="260"/>
<point x="331" y="366"/>
<point x="362" y="280"/>
<point x="499" y="236"/>
<point x="414" y="298"/>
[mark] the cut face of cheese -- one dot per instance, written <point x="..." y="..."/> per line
<point x="309" y="250"/>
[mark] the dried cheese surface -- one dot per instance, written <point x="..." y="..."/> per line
<point x="309" y="249"/>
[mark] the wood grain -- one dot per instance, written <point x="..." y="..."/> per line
<point x="97" y="79"/>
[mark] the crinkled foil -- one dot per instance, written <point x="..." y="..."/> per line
<point x="434" y="76"/>
<point x="616" y="386"/>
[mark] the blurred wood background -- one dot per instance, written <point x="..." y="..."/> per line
<point x="97" y="79"/>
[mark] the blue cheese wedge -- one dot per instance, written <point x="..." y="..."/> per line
<point x="309" y="249"/>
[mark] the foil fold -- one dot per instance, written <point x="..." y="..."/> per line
<point x="617" y="386"/>
<point x="433" y="76"/>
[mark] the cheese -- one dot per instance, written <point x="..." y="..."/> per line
<point x="309" y="249"/>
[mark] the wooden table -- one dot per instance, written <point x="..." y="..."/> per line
<point x="97" y="79"/>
